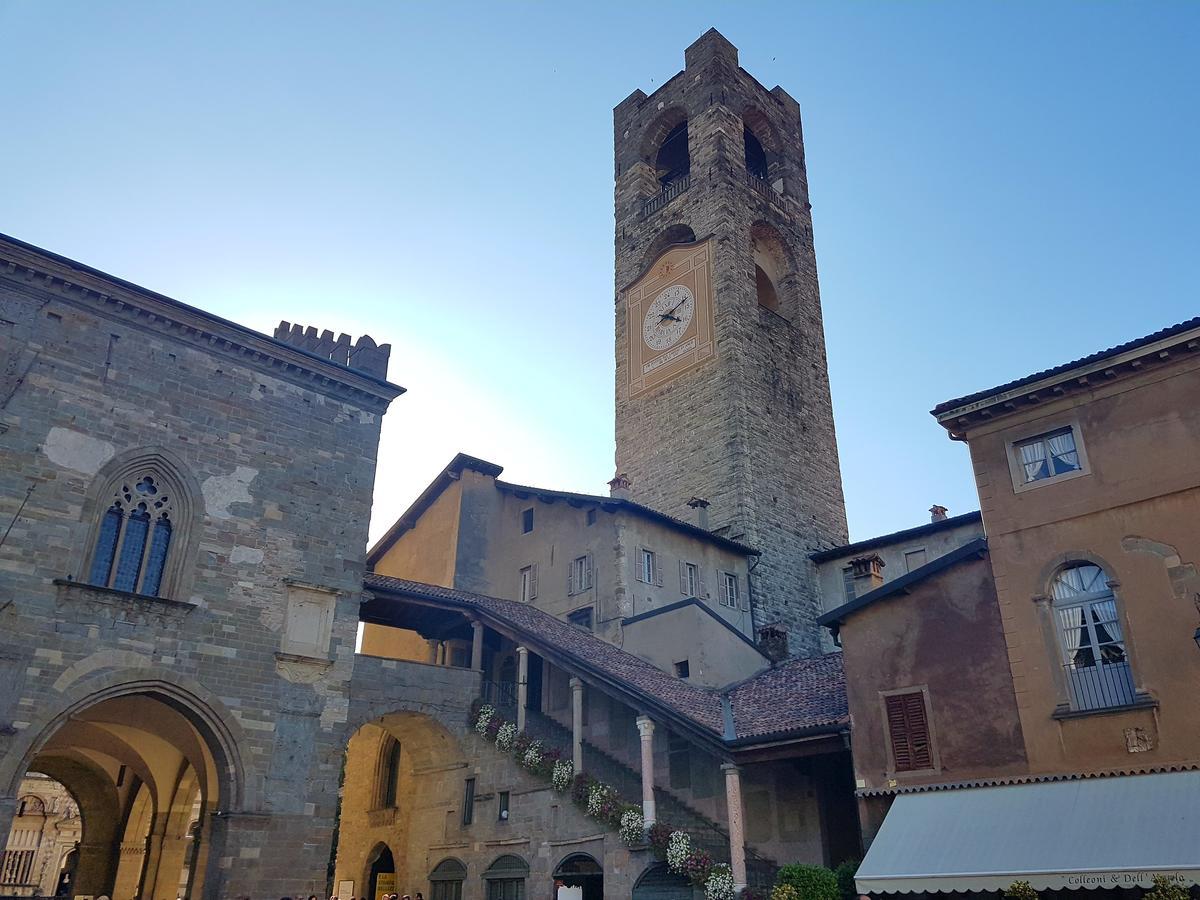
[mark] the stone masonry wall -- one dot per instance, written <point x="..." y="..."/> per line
<point x="282" y="473"/>
<point x="752" y="429"/>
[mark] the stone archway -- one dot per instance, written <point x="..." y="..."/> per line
<point x="144" y="760"/>
<point x="426" y="777"/>
<point x="580" y="870"/>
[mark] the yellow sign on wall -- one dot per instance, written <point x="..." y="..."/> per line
<point x="385" y="883"/>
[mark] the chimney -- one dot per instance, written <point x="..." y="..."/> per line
<point x="773" y="642"/>
<point x="619" y="486"/>
<point x="937" y="513"/>
<point x="868" y="573"/>
<point x="700" y="505"/>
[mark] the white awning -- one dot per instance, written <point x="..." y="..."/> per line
<point x="1089" y="833"/>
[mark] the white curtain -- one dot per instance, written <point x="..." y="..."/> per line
<point x="1033" y="459"/>
<point x="1073" y="629"/>
<point x="1062" y="447"/>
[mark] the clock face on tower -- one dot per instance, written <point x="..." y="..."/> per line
<point x="668" y="325"/>
<point x="668" y="317"/>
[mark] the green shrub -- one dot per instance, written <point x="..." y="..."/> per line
<point x="1021" y="890"/>
<point x="810" y="882"/>
<point x="784" y="892"/>
<point x="1165" y="889"/>
<point x="844" y="873"/>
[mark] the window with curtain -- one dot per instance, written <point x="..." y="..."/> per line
<point x="1085" y="610"/>
<point x="1048" y="455"/>
<point x="135" y="536"/>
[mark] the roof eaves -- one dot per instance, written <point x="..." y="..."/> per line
<point x="705" y="608"/>
<point x="903" y="584"/>
<point x="1046" y="379"/>
<point x="897" y="536"/>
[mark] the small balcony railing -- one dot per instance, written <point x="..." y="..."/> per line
<point x="500" y="694"/>
<point x="671" y="189"/>
<point x="760" y="185"/>
<point x="1100" y="686"/>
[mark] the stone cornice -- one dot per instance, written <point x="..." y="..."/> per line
<point x="49" y="274"/>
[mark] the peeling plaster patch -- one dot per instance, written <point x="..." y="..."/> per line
<point x="246" y="555"/>
<point x="222" y="490"/>
<point x="77" y="451"/>
<point x="1136" y="544"/>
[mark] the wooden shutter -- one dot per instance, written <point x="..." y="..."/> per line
<point x="722" y="588"/>
<point x="683" y="578"/>
<point x="533" y="581"/>
<point x="701" y="590"/>
<point x="658" y="578"/>
<point x="587" y="573"/>
<point x="908" y="729"/>
<point x="637" y="569"/>
<point x="571" y="577"/>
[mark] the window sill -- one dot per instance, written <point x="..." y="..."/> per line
<point x="126" y="600"/>
<point x="1141" y="701"/>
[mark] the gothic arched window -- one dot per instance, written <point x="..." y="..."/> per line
<point x="137" y="539"/>
<point x="1085" y="610"/>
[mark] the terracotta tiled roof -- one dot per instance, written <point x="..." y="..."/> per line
<point x="797" y="695"/>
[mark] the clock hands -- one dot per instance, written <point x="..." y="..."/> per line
<point x="670" y="314"/>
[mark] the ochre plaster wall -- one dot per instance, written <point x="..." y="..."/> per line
<point x="945" y="635"/>
<point x="1134" y="513"/>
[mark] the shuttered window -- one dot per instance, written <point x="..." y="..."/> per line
<point x="908" y="729"/>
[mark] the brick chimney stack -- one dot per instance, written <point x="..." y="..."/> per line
<point x="868" y="573"/>
<point x="937" y="513"/>
<point x="773" y="642"/>
<point x="700" y="505"/>
<point x="619" y="486"/>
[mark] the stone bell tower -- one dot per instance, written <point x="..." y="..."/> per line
<point x="722" y="386"/>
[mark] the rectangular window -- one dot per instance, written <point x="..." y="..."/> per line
<point x="581" y="618"/>
<point x="908" y="731"/>
<point x="682" y="669"/>
<point x="506" y="889"/>
<point x="914" y="559"/>
<point x="848" y="583"/>
<point x="1046" y="456"/>
<point x="529" y="583"/>
<point x="729" y="590"/>
<point x="579" y="574"/>
<point x="503" y="814"/>
<point x="591" y="517"/>
<point x="647" y="571"/>
<point x="689" y="579"/>
<point x="527" y="521"/>
<point x="445" y="890"/>
<point x="469" y="802"/>
<point x="679" y="762"/>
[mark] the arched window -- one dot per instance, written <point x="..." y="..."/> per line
<point x="506" y="878"/>
<point x="771" y="267"/>
<point x="673" y="161"/>
<point x="388" y="784"/>
<point x="144" y="513"/>
<point x="446" y="880"/>
<point x="756" y="156"/>
<point x="1085" y="610"/>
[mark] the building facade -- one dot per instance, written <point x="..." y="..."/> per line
<point x="185" y="505"/>
<point x="722" y="387"/>
<point x="1041" y="677"/>
<point x="41" y="854"/>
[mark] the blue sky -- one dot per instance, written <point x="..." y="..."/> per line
<point x="996" y="188"/>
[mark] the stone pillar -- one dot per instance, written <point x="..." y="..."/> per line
<point x="433" y="651"/>
<point x="577" y="724"/>
<point x="646" y="730"/>
<point x="737" y="833"/>
<point x="94" y="874"/>
<point x="476" y="645"/>
<point x="154" y="852"/>
<point x="522" y="685"/>
<point x="130" y="864"/>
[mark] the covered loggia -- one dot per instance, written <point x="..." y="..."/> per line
<point x="146" y="781"/>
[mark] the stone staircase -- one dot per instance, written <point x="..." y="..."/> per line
<point x="705" y="833"/>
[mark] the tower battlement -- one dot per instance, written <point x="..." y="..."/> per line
<point x="364" y="355"/>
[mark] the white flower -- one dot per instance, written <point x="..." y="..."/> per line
<point x="679" y="848"/>
<point x="533" y="756"/>
<point x="485" y="717"/>
<point x="505" y="736"/>
<point x="633" y="828"/>
<point x="720" y="883"/>
<point x="596" y="797"/>
<point x="563" y="774"/>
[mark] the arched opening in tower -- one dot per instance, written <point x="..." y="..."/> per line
<point x="756" y="156"/>
<point x="673" y="161"/>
